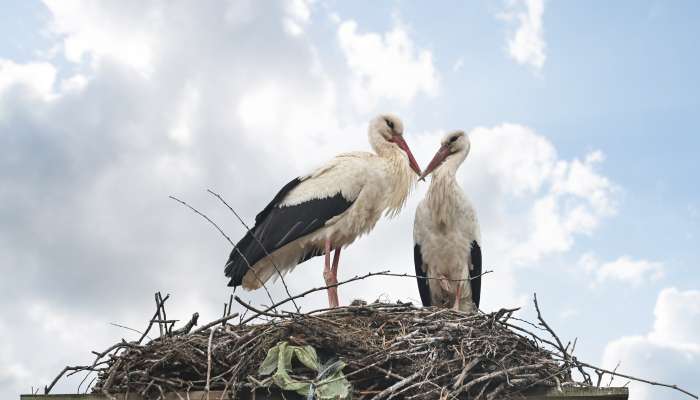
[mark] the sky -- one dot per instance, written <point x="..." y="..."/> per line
<point x="582" y="118"/>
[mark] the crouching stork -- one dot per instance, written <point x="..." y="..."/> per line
<point x="327" y="210"/>
<point x="446" y="234"/>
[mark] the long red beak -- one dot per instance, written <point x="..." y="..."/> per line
<point x="439" y="157"/>
<point x="398" y="139"/>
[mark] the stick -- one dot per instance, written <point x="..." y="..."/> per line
<point x="638" y="379"/>
<point x="466" y="369"/>
<point x="495" y="374"/>
<point x="109" y="380"/>
<point x="436" y="279"/>
<point x="150" y="324"/>
<point x="47" y="389"/>
<point x="284" y="283"/>
<point x="126" y="327"/>
<point x="612" y="376"/>
<point x="216" y="322"/>
<point x="250" y="267"/>
<point x="356" y="278"/>
<point x="227" y="311"/>
<point x="259" y="312"/>
<point x="398" y="385"/>
<point x="160" y="315"/>
<point x="567" y="356"/>
<point x="211" y="336"/>
<point x="166" y="321"/>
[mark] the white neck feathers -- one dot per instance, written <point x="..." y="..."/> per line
<point x="402" y="178"/>
<point x="444" y="194"/>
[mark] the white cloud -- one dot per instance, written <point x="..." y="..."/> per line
<point x="624" y="270"/>
<point x="386" y="65"/>
<point x="113" y="31"/>
<point x="37" y="77"/>
<point x="299" y="14"/>
<point x="677" y="319"/>
<point x="76" y="82"/>
<point x="670" y="353"/>
<point x="565" y="198"/>
<point x="526" y="44"/>
<point x="11" y="373"/>
<point x="522" y="158"/>
<point x="186" y="115"/>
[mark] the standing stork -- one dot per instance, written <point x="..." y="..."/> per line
<point x="446" y="233"/>
<point x="327" y="209"/>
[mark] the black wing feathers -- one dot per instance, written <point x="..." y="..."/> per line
<point x="423" y="287"/>
<point x="277" y="226"/>
<point x="476" y="272"/>
<point x="277" y="199"/>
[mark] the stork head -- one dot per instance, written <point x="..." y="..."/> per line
<point x="386" y="134"/>
<point x="453" y="149"/>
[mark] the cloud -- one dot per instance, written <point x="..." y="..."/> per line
<point x="299" y="14"/>
<point x="565" y="197"/>
<point x="386" y="65"/>
<point x="624" y="270"/>
<point x="526" y="43"/>
<point x="670" y="353"/>
<point x="93" y="31"/>
<point x="37" y="78"/>
<point x="677" y="319"/>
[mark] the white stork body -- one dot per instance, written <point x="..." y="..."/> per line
<point x="327" y="209"/>
<point x="446" y="234"/>
<point x="363" y="179"/>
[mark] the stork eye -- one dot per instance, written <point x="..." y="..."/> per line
<point x="454" y="139"/>
<point x="391" y="124"/>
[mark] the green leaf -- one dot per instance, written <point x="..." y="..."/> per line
<point x="332" y="383"/>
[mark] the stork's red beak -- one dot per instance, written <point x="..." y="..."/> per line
<point x="439" y="157"/>
<point x="398" y="139"/>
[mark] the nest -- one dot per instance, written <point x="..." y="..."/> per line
<point x="389" y="351"/>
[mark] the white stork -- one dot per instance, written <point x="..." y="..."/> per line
<point x="327" y="209"/>
<point x="446" y="233"/>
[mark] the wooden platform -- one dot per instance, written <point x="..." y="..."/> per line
<point x="612" y="393"/>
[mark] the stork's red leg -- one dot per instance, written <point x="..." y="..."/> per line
<point x="329" y="275"/>
<point x="334" y="270"/>
<point x="458" y="296"/>
<point x="336" y="258"/>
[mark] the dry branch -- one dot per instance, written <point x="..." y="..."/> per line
<point x="221" y="231"/>
<point x="279" y="274"/>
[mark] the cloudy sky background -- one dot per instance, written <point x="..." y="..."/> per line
<point x="583" y="119"/>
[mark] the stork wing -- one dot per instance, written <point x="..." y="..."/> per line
<point x="475" y="273"/>
<point x="423" y="287"/>
<point x="301" y="207"/>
